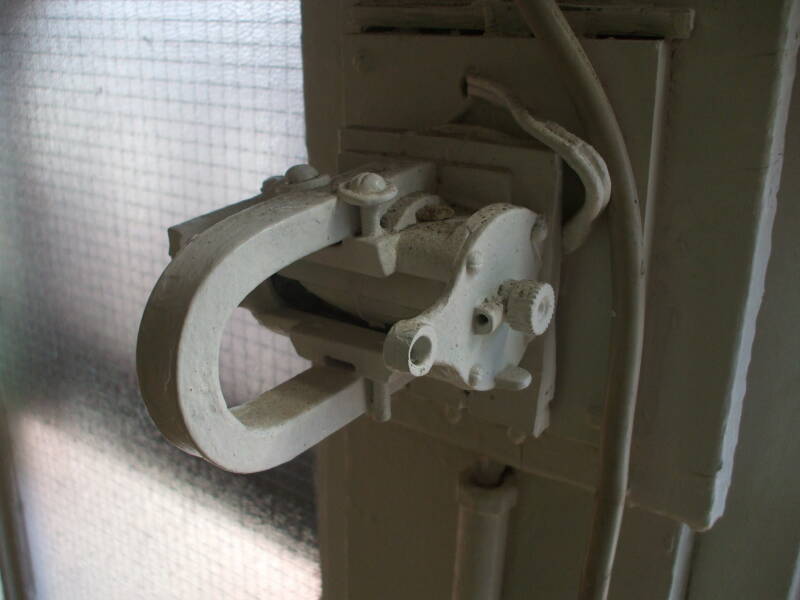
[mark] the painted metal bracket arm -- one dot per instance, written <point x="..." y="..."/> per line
<point x="182" y="327"/>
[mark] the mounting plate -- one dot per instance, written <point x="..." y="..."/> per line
<point x="477" y="167"/>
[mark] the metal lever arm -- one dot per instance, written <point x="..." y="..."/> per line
<point x="181" y="332"/>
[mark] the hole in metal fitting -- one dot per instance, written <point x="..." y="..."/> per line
<point x="420" y="350"/>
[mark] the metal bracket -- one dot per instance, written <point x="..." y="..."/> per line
<point x="455" y="287"/>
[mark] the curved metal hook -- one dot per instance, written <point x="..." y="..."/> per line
<point x="181" y="331"/>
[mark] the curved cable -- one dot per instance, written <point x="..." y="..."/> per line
<point x="579" y="155"/>
<point x="548" y="24"/>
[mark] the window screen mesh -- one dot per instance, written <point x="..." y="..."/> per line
<point x="118" y="119"/>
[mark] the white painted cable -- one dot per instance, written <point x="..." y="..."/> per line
<point x="579" y="155"/>
<point x="548" y="25"/>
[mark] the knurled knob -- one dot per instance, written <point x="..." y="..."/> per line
<point x="530" y="306"/>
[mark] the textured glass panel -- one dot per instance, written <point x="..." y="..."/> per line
<point x="118" y="119"/>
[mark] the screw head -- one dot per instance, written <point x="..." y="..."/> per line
<point x="300" y="173"/>
<point x="297" y="178"/>
<point x="516" y="436"/>
<point x="368" y="183"/>
<point x="367" y="189"/>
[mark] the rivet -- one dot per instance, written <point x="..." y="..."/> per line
<point x="476" y="375"/>
<point x="474" y="262"/>
<point x="300" y="173"/>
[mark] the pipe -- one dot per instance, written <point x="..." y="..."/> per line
<point x="580" y="156"/>
<point x="548" y="24"/>
<point x="481" y="535"/>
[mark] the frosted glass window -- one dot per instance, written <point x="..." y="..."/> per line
<point x="118" y="119"/>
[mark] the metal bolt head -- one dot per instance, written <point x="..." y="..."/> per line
<point x="530" y="306"/>
<point x="367" y="189"/>
<point x="368" y="183"/>
<point x="516" y="436"/>
<point x="300" y="173"/>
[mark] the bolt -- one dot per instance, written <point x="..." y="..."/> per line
<point x="371" y="193"/>
<point x="296" y="178"/>
<point x="300" y="174"/>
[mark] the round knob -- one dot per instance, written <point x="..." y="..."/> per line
<point x="530" y="306"/>
<point x="367" y="190"/>
<point x="368" y="183"/>
<point x="372" y="194"/>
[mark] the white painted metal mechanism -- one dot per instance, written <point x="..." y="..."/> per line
<point x="412" y="264"/>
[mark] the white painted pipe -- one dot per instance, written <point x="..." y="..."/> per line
<point x="481" y="538"/>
